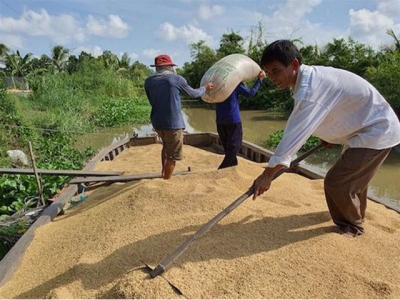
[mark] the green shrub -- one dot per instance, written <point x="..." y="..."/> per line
<point x="386" y="78"/>
<point x="117" y="112"/>
<point x="276" y="137"/>
<point x="53" y="151"/>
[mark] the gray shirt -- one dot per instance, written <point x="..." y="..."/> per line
<point x="163" y="92"/>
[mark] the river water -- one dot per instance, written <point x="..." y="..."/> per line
<point x="257" y="126"/>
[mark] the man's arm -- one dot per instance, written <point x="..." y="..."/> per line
<point x="250" y="92"/>
<point x="263" y="182"/>
<point x="194" y="93"/>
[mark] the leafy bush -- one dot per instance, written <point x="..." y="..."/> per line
<point x="117" y="112"/>
<point x="268" y="98"/>
<point x="53" y="152"/>
<point x="276" y="137"/>
<point x="386" y="78"/>
<point x="8" y="108"/>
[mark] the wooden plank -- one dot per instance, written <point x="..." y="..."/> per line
<point x="37" y="176"/>
<point x="58" y="172"/>
<point x="122" y="178"/>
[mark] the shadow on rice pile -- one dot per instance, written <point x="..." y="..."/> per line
<point x="280" y="246"/>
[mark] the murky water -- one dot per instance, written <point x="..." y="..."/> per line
<point x="257" y="126"/>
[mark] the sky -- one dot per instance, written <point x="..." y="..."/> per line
<point x="146" y="28"/>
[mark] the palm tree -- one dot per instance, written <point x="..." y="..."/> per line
<point x="124" y="63"/>
<point x="396" y="39"/>
<point x="3" y="51"/>
<point x="41" y="65"/>
<point x="59" y="57"/>
<point x="109" y="59"/>
<point x="19" y="66"/>
<point x="391" y="48"/>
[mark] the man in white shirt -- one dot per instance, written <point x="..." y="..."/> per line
<point x="339" y="107"/>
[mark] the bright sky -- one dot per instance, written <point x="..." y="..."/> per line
<point x="146" y="28"/>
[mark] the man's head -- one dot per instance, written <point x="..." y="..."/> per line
<point x="281" y="61"/>
<point x="162" y="61"/>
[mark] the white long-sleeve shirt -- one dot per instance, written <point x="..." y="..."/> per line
<point x="338" y="107"/>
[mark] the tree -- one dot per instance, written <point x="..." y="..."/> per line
<point x="230" y="43"/>
<point x="3" y="50"/>
<point x="386" y="77"/>
<point x="138" y="72"/>
<point x="396" y="46"/>
<point x="19" y="66"/>
<point x="72" y="64"/>
<point x="349" y="55"/>
<point x="41" y="65"/>
<point x="203" y="57"/>
<point x="109" y="59"/>
<point x="256" y="44"/>
<point x="86" y="63"/>
<point x="59" y="57"/>
<point x="124" y="62"/>
<point x="84" y="56"/>
<point x="312" y="55"/>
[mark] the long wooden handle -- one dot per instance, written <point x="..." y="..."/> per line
<point x="174" y="255"/>
<point x="306" y="154"/>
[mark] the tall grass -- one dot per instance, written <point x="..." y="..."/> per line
<point x="85" y="100"/>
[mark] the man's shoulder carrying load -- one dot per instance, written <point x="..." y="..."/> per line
<point x="226" y="74"/>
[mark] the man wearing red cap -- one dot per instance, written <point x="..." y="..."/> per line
<point x="163" y="91"/>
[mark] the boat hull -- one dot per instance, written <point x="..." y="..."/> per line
<point x="248" y="150"/>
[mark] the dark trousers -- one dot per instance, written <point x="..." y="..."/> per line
<point x="346" y="185"/>
<point x="231" y="136"/>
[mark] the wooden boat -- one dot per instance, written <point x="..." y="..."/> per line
<point x="202" y="140"/>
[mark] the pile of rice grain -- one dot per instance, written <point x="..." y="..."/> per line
<point x="280" y="246"/>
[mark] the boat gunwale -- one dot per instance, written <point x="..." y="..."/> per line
<point x="13" y="258"/>
<point x="250" y="151"/>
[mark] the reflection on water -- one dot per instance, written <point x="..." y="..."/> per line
<point x="105" y="137"/>
<point x="257" y="126"/>
<point x="385" y="183"/>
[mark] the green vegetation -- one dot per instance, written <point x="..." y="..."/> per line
<point x="275" y="138"/>
<point x="62" y="106"/>
<point x="69" y="97"/>
<point x="74" y="95"/>
<point x="380" y="68"/>
<point x="116" y="112"/>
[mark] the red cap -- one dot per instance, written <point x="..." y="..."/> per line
<point x="162" y="60"/>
